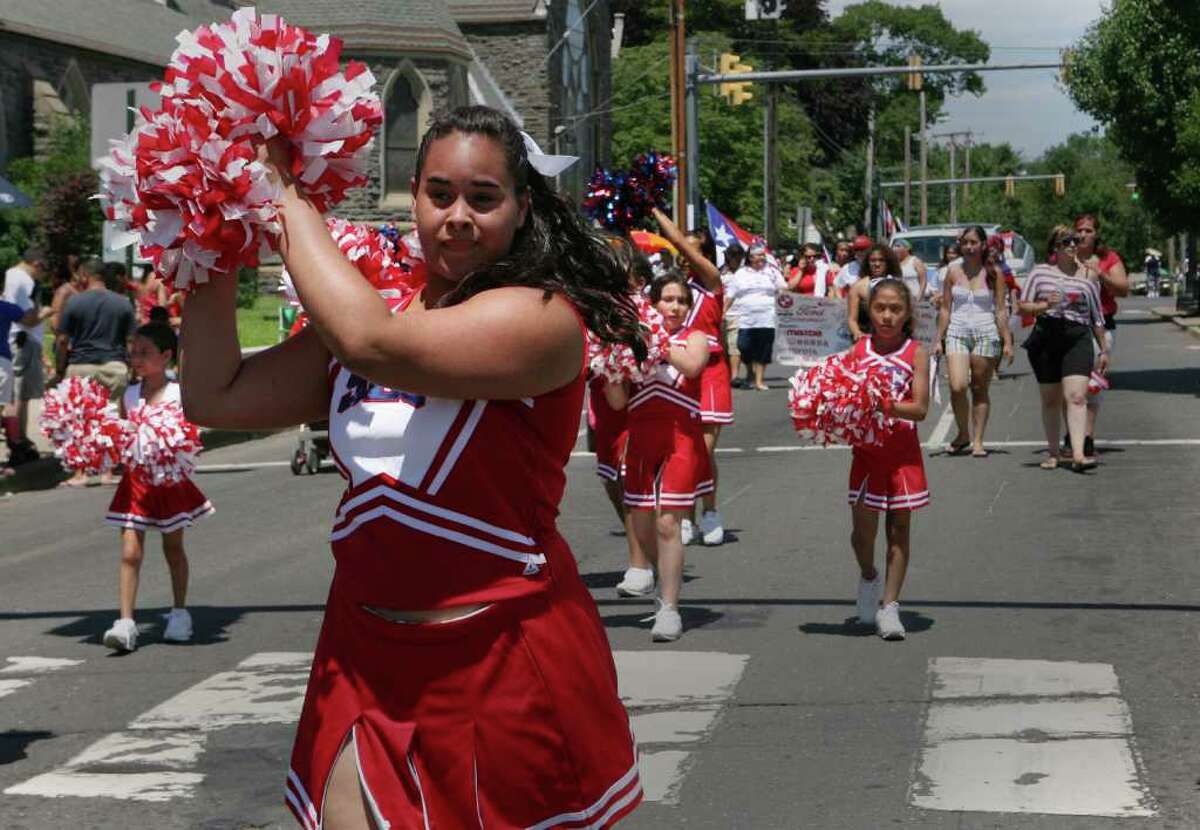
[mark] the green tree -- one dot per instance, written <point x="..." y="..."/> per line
<point x="1137" y="71"/>
<point x="65" y="219"/>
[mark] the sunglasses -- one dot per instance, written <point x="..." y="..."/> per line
<point x="1067" y="242"/>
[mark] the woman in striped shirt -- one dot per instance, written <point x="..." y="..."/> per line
<point x="1065" y="298"/>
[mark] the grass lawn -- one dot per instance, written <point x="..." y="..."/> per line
<point x="259" y="325"/>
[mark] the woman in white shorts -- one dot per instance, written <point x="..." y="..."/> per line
<point x="973" y="325"/>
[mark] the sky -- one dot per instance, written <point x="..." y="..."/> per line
<point x="1025" y="108"/>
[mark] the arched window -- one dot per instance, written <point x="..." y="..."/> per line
<point x="401" y="134"/>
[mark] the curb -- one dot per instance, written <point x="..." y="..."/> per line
<point x="1191" y="325"/>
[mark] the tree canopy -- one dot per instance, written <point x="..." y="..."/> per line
<point x="1137" y="71"/>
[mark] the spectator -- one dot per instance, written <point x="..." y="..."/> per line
<point x="10" y="313"/>
<point x="25" y="343"/>
<point x="950" y="255"/>
<point x="735" y="255"/>
<point x="95" y="328"/>
<point x="842" y="256"/>
<point x="66" y="284"/>
<point x="852" y="270"/>
<point x="811" y="276"/>
<point x="750" y="295"/>
<point x="912" y="269"/>
<point x="150" y="293"/>
<point x="1153" y="267"/>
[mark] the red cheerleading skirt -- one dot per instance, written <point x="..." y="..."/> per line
<point x="666" y="465"/>
<point x="611" y="434"/>
<point x="716" y="393"/>
<point x="507" y="718"/>
<point x="139" y="505"/>
<point x="890" y="478"/>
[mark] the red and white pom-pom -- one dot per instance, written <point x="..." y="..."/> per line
<point x="1097" y="383"/>
<point x="163" y="445"/>
<point x="839" y="402"/>
<point x="84" y="429"/>
<point x="372" y="253"/>
<point x="186" y="183"/>
<point x="616" y="363"/>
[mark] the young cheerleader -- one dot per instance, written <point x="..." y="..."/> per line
<point x="666" y="462"/>
<point x="889" y="479"/>
<point x="716" y="383"/>
<point x="138" y="505"/>
<point x="462" y="677"/>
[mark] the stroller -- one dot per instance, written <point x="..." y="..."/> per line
<point x="311" y="449"/>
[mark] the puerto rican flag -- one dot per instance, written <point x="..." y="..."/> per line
<point x="891" y="223"/>
<point x="725" y="232"/>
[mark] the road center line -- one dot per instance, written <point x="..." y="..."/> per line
<point x="942" y="429"/>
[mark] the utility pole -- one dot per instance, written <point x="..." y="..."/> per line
<point x="692" y="168"/>
<point x="967" y="171"/>
<point x="953" y="190"/>
<point x="870" y="177"/>
<point x="924" y="164"/>
<point x="679" y="136"/>
<point x="770" y="163"/>
<point x="907" y="175"/>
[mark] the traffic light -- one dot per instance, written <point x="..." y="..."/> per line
<point x="1134" y="195"/>
<point x="734" y="92"/>
<point x="915" y="80"/>
<point x="1060" y="185"/>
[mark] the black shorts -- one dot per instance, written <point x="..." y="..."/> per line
<point x="1059" y="349"/>
<point x="756" y="345"/>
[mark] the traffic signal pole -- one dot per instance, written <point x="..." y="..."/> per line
<point x="689" y="176"/>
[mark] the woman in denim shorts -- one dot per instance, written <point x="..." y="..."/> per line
<point x="973" y="324"/>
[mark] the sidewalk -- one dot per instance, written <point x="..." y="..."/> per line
<point x="1189" y="324"/>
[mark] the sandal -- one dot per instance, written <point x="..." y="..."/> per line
<point x="72" y="483"/>
<point x="957" y="449"/>
<point x="979" y="453"/>
<point x="1050" y="463"/>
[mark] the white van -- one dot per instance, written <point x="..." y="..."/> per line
<point x="928" y="242"/>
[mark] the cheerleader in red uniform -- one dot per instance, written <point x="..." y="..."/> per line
<point x="889" y="479"/>
<point x="462" y="677"/>
<point x="139" y="505"/>
<point x="666" y="462"/>
<point x="707" y="314"/>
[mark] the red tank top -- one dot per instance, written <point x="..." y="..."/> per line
<point x="668" y="394"/>
<point x="1108" y="302"/>
<point x="448" y="502"/>
<point x="708" y="309"/>
<point x="900" y="366"/>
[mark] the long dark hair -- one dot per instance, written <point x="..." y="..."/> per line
<point x="901" y="288"/>
<point x="555" y="249"/>
<point x="889" y="256"/>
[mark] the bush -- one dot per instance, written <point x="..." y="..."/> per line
<point x="247" y="287"/>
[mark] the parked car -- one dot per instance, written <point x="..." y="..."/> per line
<point x="929" y="241"/>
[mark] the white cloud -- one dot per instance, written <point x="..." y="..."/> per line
<point x="1025" y="108"/>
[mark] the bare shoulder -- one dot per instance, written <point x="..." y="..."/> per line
<point x="526" y="311"/>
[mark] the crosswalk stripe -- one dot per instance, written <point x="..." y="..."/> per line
<point x="674" y="698"/>
<point x="24" y="671"/>
<point x="1028" y="736"/>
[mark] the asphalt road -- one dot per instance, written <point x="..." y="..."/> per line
<point x="1050" y="678"/>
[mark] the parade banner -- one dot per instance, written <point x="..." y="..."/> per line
<point x="809" y="328"/>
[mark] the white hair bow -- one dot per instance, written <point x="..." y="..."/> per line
<point x="547" y="165"/>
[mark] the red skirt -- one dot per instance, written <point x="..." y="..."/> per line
<point x="611" y="435"/>
<point x="138" y="505"/>
<point x="890" y="478"/>
<point x="716" y="393"/>
<point x="666" y="465"/>
<point x="508" y="718"/>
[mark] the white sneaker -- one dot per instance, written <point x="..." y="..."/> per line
<point x="637" y="582"/>
<point x="122" y="636"/>
<point x="668" y="625"/>
<point x="868" y="599"/>
<point x="887" y="621"/>
<point x="687" y="531"/>
<point x="179" y="626"/>
<point x="713" y="533"/>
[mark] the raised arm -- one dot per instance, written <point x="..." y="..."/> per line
<point x="283" y="386"/>
<point x="505" y="343"/>
<point x="705" y="271"/>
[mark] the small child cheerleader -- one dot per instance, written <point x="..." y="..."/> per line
<point x="140" y="505"/>
<point x="889" y="479"/>
<point x="666" y="461"/>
